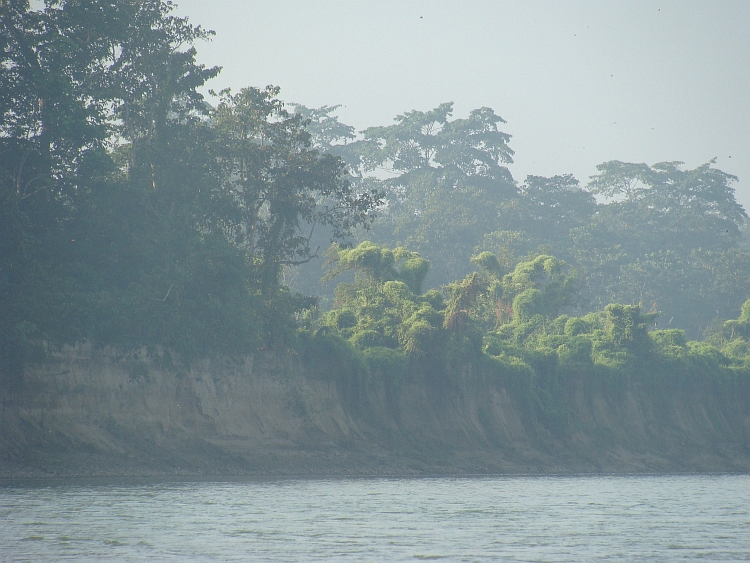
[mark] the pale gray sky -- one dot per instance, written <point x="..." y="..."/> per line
<point x="579" y="82"/>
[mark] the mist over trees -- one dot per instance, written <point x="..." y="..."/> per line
<point x="134" y="214"/>
<point x="668" y="239"/>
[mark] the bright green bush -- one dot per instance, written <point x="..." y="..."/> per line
<point x="669" y="342"/>
<point x="383" y="324"/>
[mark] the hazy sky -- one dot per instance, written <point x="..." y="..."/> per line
<point x="578" y="83"/>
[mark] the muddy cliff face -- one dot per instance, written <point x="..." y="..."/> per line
<point x="88" y="412"/>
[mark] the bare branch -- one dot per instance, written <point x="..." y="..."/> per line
<point x="29" y="194"/>
<point x="300" y="262"/>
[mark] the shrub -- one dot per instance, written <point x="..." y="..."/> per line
<point x="364" y="339"/>
<point x="576" y="351"/>
<point x="669" y="342"/>
<point x="393" y="364"/>
<point x="330" y="356"/>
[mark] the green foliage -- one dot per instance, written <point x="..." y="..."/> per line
<point x="462" y="348"/>
<point x="96" y="239"/>
<point x="671" y="240"/>
<point x="668" y="189"/>
<point x="489" y="264"/>
<point x="341" y="319"/>
<point x="368" y="338"/>
<point x="737" y="349"/>
<point x="327" y="133"/>
<point x="527" y="304"/>
<point x="707" y="354"/>
<point x="733" y="338"/>
<point x="386" y="320"/>
<point x="665" y="238"/>
<point x="449" y="180"/>
<point x="381" y="307"/>
<point x="426" y="139"/>
<point x="576" y="352"/>
<point x="575" y="326"/>
<point x="387" y="362"/>
<point x="551" y="207"/>
<point x="627" y="326"/>
<point x="739" y="327"/>
<point x="546" y="283"/>
<point x="283" y="186"/>
<point x="133" y="214"/>
<point x="463" y="306"/>
<point x="669" y="342"/>
<point x="376" y="264"/>
<point x="332" y="357"/>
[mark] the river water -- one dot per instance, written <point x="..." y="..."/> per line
<point x="571" y="518"/>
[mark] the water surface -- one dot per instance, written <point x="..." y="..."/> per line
<point x="572" y="518"/>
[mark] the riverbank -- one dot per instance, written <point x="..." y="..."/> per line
<point x="88" y="412"/>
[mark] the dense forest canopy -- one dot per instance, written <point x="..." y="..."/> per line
<point x="133" y="213"/>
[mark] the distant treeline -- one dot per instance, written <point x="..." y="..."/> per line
<point x="133" y="214"/>
<point x="673" y="241"/>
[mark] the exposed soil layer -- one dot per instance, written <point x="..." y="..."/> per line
<point x="92" y="413"/>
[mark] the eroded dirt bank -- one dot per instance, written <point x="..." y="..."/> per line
<point x="91" y="413"/>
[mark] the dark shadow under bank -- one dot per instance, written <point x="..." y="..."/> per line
<point x="96" y="414"/>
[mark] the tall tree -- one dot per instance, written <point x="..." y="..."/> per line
<point x="669" y="239"/>
<point x="551" y="207"/>
<point x="448" y="183"/>
<point x="53" y="126"/>
<point x="284" y="186"/>
<point x="113" y="225"/>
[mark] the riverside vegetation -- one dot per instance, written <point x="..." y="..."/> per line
<point x="135" y="215"/>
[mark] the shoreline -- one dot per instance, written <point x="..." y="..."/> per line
<point x="86" y="415"/>
<point x="28" y="480"/>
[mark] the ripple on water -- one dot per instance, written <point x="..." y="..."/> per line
<point x="479" y="519"/>
<point x="114" y="542"/>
